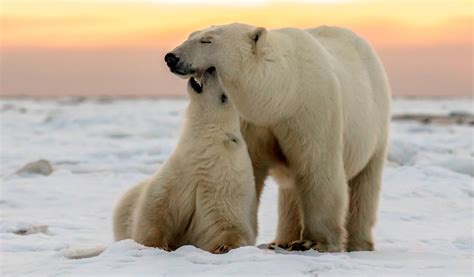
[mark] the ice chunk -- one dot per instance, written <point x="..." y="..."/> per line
<point x="42" y="167"/>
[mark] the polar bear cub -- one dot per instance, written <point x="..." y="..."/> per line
<point x="204" y="194"/>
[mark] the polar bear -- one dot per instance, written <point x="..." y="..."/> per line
<point x="204" y="194"/>
<point x="316" y="110"/>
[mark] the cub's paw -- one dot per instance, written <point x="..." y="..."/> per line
<point x="155" y="243"/>
<point x="166" y="248"/>
<point x="227" y="242"/>
<point x="222" y="249"/>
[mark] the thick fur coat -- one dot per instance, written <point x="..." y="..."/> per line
<point x="204" y="194"/>
<point x="316" y="110"/>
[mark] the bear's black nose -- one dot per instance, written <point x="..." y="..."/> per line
<point x="171" y="60"/>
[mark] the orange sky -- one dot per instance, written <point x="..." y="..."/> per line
<point x="439" y="32"/>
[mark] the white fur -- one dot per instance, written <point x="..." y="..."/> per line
<point x="316" y="105"/>
<point x="204" y="194"/>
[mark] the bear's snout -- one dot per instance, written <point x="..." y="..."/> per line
<point x="171" y="60"/>
<point x="178" y="66"/>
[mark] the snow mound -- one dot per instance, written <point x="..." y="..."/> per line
<point x="42" y="167"/>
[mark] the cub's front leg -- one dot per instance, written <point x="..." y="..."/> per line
<point x="229" y="240"/>
<point x="152" y="223"/>
<point x="224" y="234"/>
<point x="224" y="223"/>
<point x="152" y="236"/>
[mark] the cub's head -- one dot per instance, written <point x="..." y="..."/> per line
<point x="227" y="48"/>
<point x="209" y="102"/>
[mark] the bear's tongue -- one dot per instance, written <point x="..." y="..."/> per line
<point x="196" y="85"/>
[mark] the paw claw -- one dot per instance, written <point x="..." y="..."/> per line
<point x="305" y="245"/>
<point x="167" y="249"/>
<point x="221" y="249"/>
<point x="274" y="245"/>
<point x="301" y="245"/>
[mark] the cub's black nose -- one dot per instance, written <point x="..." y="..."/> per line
<point x="171" y="60"/>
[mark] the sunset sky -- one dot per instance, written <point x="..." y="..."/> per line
<point x="115" y="47"/>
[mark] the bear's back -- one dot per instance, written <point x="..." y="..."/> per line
<point x="354" y="56"/>
<point x="341" y="43"/>
<point x="363" y="81"/>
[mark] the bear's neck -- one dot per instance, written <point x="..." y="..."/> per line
<point x="265" y="92"/>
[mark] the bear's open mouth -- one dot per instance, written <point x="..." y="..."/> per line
<point x="196" y="85"/>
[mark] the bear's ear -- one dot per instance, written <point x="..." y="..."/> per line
<point x="258" y="36"/>
<point x="193" y="34"/>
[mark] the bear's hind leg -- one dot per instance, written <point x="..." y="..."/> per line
<point x="363" y="203"/>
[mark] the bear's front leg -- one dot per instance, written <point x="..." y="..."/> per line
<point x="290" y="214"/>
<point x="290" y="223"/>
<point x="324" y="198"/>
<point x="314" y="151"/>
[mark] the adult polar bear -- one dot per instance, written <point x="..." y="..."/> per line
<point x="316" y="104"/>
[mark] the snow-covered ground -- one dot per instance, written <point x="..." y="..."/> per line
<point x="100" y="148"/>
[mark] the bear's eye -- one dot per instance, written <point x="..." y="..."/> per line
<point x="223" y="98"/>
<point x="206" y="40"/>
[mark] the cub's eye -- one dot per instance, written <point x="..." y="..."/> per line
<point x="223" y="98"/>
<point x="206" y="40"/>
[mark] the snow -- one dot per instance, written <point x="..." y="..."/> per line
<point x="436" y="107"/>
<point x="99" y="148"/>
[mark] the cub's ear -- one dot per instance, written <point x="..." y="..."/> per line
<point x="258" y="36"/>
